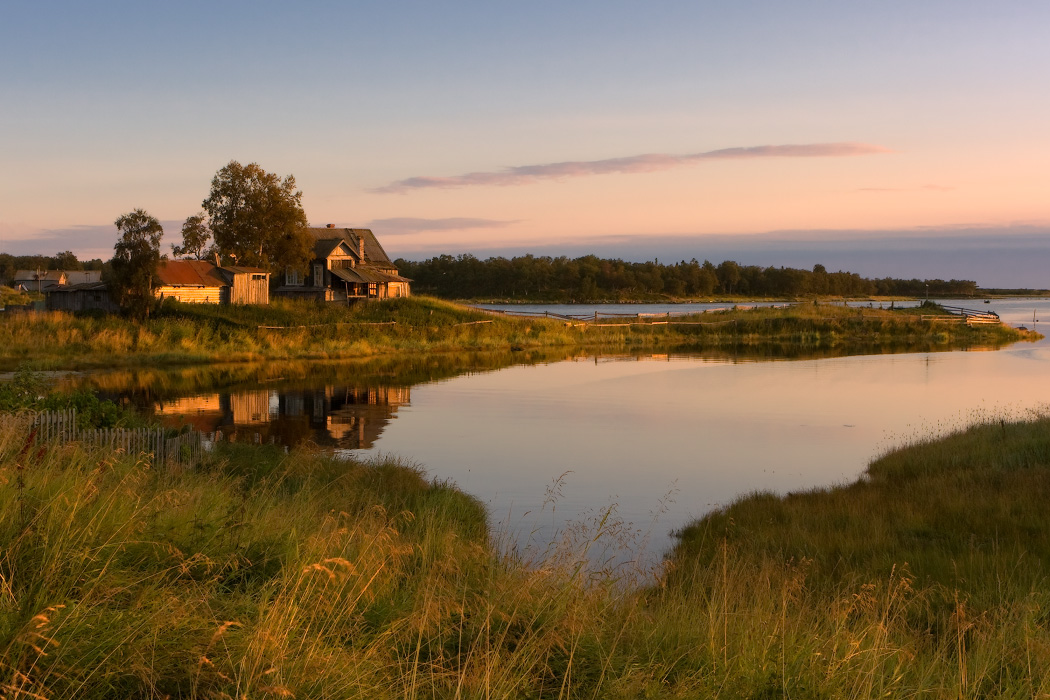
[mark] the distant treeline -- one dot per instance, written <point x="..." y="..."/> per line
<point x="66" y="260"/>
<point x="591" y="278"/>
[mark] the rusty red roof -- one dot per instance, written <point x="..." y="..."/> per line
<point x="188" y="273"/>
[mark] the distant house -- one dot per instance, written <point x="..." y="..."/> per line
<point x="203" y="282"/>
<point x="348" y="264"/>
<point x="43" y="280"/>
<point x="38" y="280"/>
<point x="83" y="276"/>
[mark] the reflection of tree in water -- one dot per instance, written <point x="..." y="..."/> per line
<point x="346" y="417"/>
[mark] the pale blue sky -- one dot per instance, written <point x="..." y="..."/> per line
<point x="120" y="105"/>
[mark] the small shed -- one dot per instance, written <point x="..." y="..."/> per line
<point x="89" y="296"/>
<point x="247" y="285"/>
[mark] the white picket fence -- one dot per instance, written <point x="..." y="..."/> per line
<point x="61" y="426"/>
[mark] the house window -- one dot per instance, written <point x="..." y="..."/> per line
<point x="292" y="277"/>
<point x="373" y="289"/>
<point x="318" y="275"/>
<point x="258" y="278"/>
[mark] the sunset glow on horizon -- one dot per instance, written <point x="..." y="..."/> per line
<point x="476" y="128"/>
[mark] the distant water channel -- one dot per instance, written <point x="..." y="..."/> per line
<point x="547" y="440"/>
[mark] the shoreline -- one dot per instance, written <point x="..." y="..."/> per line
<point x="198" y="334"/>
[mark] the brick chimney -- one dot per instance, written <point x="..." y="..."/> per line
<point x="361" y="248"/>
<point x="330" y="226"/>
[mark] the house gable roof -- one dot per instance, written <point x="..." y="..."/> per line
<point x="39" y="276"/>
<point x="374" y="252"/>
<point x="324" y="247"/>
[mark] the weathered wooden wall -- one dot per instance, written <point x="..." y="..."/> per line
<point x="190" y="295"/>
<point x="246" y="290"/>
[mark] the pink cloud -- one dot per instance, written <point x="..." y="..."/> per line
<point x="646" y="163"/>
<point x="408" y="225"/>
<point x="924" y="188"/>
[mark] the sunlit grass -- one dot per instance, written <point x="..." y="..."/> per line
<point x="284" y="330"/>
<point x="270" y="575"/>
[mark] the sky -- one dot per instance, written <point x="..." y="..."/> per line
<point x="891" y="138"/>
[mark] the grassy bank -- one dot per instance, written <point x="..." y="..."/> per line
<point x="200" y="334"/>
<point x="815" y="325"/>
<point x="928" y="578"/>
<point x="263" y="575"/>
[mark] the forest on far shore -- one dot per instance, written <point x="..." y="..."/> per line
<point x="591" y="278"/>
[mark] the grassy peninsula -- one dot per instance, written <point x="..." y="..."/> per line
<point x="285" y="330"/>
<point x="266" y="575"/>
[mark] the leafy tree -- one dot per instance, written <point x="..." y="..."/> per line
<point x="196" y="235"/>
<point x="708" y="278"/>
<point x="135" y="258"/>
<point x="67" y="260"/>
<point x="728" y="275"/>
<point x="257" y="218"/>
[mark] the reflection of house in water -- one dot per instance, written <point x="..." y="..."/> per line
<point x="202" y="412"/>
<point x="249" y="407"/>
<point x="333" y="416"/>
<point x="343" y="416"/>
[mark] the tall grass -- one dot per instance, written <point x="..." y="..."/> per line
<point x="265" y="575"/>
<point x="283" y="330"/>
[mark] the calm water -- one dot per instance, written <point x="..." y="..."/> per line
<point x="561" y="440"/>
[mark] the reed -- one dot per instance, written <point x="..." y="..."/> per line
<point x="271" y="575"/>
<point x="286" y="330"/>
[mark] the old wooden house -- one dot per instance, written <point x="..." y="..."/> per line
<point x="348" y="264"/>
<point x="203" y="282"/>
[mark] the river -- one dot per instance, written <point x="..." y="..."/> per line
<point x="557" y="444"/>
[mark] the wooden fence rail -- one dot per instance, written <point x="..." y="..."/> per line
<point x="184" y="449"/>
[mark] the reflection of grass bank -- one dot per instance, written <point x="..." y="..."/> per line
<point x="146" y="384"/>
<point x="200" y="334"/>
<point x="409" y="369"/>
<point x="270" y="576"/>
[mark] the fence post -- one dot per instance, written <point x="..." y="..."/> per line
<point x="60" y="426"/>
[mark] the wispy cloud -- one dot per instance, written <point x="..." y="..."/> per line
<point x="407" y="225"/>
<point x="646" y="163"/>
<point x="923" y="188"/>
